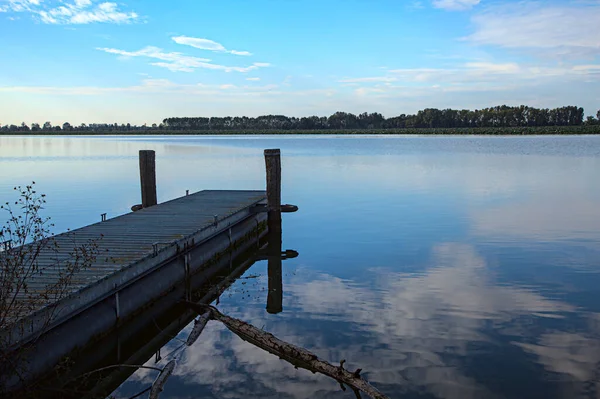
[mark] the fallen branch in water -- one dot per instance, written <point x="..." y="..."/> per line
<point x="198" y="327"/>
<point x="161" y="380"/>
<point x="299" y="357"/>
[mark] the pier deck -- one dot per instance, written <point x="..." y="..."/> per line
<point x="134" y="245"/>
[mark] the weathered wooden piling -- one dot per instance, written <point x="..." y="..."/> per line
<point x="273" y="167"/>
<point x="275" y="289"/>
<point x="148" y="178"/>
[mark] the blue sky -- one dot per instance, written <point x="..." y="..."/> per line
<point x="140" y="61"/>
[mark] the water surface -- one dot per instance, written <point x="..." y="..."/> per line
<point x="444" y="267"/>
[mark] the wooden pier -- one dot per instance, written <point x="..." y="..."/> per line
<point x="141" y="257"/>
<point x="140" y="339"/>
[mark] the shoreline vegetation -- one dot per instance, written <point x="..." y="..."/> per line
<point x="499" y="120"/>
<point x="483" y="131"/>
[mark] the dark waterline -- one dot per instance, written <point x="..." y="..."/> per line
<point x="448" y="267"/>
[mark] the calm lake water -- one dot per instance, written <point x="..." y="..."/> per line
<point x="444" y="267"/>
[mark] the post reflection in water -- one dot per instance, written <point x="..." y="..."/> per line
<point x="275" y="278"/>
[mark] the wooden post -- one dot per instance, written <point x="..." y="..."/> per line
<point x="275" y="290"/>
<point x="148" y="178"/>
<point x="273" y="166"/>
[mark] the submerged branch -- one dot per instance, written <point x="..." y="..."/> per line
<point x="198" y="328"/>
<point x="161" y="380"/>
<point x="299" y="357"/>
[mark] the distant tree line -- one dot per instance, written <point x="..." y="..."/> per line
<point x="499" y="116"/>
<point x="67" y="127"/>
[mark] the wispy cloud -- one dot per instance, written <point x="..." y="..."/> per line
<point x="164" y="86"/>
<point x="476" y="85"/>
<point x="484" y="74"/>
<point x="253" y="79"/>
<point x="566" y="30"/>
<point x="416" y="5"/>
<point x="455" y="5"/>
<point x="206" y="44"/>
<point x="19" y="5"/>
<point x="178" y="62"/>
<point x="165" y="98"/>
<point x="77" y="12"/>
<point x="369" y="79"/>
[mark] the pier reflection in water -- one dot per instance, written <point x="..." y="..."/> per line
<point x="98" y="369"/>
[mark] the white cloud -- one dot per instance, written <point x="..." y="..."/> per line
<point x="206" y="44"/>
<point x="416" y="5"/>
<point x="455" y="4"/>
<point x="480" y="75"/>
<point x="178" y="62"/>
<point x="489" y="67"/>
<point x="369" y="79"/>
<point x="552" y="30"/>
<point x="363" y="91"/>
<point x="173" y="67"/>
<point x="240" y="52"/>
<point x="78" y="12"/>
<point x="20" y="5"/>
<point x="253" y="79"/>
<point x="155" y="86"/>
